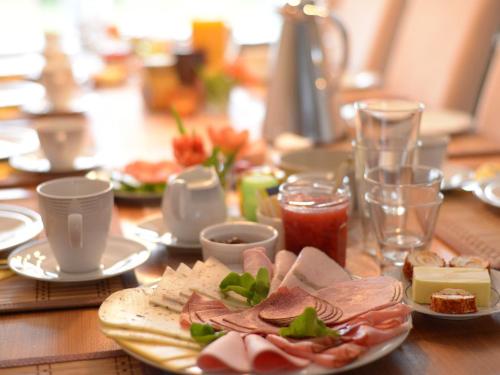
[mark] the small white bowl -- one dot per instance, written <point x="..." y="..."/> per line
<point x="254" y="234"/>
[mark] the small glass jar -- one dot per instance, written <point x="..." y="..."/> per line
<point x="315" y="213"/>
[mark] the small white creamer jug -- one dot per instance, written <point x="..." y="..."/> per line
<point x="193" y="200"/>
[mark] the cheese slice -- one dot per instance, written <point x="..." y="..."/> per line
<point x="131" y="309"/>
<point x="428" y="280"/>
<point x="163" y="355"/>
<point x="148" y="338"/>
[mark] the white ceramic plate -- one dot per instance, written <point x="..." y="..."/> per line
<point x="153" y="229"/>
<point x="36" y="261"/>
<point x="16" y="140"/>
<point x="130" y="196"/>
<point x="442" y="122"/>
<point x="482" y="311"/>
<point x="35" y="162"/>
<point x="456" y="177"/>
<point x="489" y="192"/>
<point x="369" y="356"/>
<point x="17" y="226"/>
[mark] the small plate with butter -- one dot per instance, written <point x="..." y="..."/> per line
<point x="481" y="283"/>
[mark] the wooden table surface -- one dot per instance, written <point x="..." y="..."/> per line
<point x="122" y="131"/>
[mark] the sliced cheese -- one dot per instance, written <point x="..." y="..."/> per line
<point x="160" y="354"/>
<point x="147" y="338"/>
<point x="167" y="293"/>
<point x="131" y="309"/>
<point x="428" y="280"/>
<point x="206" y="280"/>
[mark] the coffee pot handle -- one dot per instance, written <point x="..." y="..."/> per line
<point x="75" y="228"/>
<point x="344" y="37"/>
<point x="179" y="198"/>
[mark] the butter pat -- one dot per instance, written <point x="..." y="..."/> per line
<point x="428" y="280"/>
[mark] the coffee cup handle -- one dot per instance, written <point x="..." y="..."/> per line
<point x="75" y="226"/>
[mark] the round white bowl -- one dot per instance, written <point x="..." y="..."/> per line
<point x="255" y="234"/>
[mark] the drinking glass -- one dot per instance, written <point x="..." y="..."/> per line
<point x="388" y="123"/>
<point x="315" y="213"/>
<point x="403" y="207"/>
<point x="367" y="158"/>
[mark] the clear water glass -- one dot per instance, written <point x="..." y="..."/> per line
<point x="388" y="123"/>
<point x="403" y="207"/>
<point x="366" y="158"/>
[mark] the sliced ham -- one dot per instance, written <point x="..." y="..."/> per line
<point x="249" y="321"/>
<point x="255" y="259"/>
<point x="227" y="353"/>
<point x="304" y="348"/>
<point x="199" y="309"/>
<point x="246" y="321"/>
<point x="356" y="297"/>
<point x="386" y="318"/>
<point x="266" y="357"/>
<point x="286" y="304"/>
<point x="339" y="356"/>
<point x="314" y="270"/>
<point x="282" y="264"/>
<point x="368" y="336"/>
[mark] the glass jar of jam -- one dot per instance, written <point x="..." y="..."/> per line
<point x="315" y="213"/>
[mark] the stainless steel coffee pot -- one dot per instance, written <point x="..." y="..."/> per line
<point x="305" y="80"/>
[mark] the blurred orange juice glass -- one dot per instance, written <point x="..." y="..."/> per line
<point x="211" y="37"/>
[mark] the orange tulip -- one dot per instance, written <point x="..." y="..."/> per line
<point x="189" y="150"/>
<point x="227" y="139"/>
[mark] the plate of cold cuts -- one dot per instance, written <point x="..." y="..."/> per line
<point x="297" y="315"/>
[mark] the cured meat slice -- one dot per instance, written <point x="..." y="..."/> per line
<point x="250" y="320"/>
<point x="339" y="356"/>
<point x="256" y="258"/>
<point x="247" y="321"/>
<point x="200" y="309"/>
<point x="314" y="270"/>
<point x="285" y="305"/>
<point x="266" y="357"/>
<point x="368" y="336"/>
<point x="282" y="264"/>
<point x="227" y="353"/>
<point x="205" y="315"/>
<point x="356" y="297"/>
<point x="383" y="319"/>
<point x="304" y="348"/>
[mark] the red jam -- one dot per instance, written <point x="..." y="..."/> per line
<point x="312" y="218"/>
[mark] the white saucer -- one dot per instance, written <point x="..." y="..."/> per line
<point x="489" y="192"/>
<point x="153" y="229"/>
<point x="35" y="162"/>
<point x="456" y="177"/>
<point x="443" y="122"/>
<point x="17" y="226"/>
<point x="16" y="140"/>
<point x="36" y="261"/>
<point x="481" y="311"/>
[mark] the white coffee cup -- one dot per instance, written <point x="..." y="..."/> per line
<point x="76" y="214"/>
<point x="61" y="139"/>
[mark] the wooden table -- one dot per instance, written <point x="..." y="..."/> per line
<point x="122" y="131"/>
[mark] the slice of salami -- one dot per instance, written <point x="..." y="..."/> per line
<point x="356" y="297"/>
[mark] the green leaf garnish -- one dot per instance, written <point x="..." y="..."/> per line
<point x="204" y="334"/>
<point x="254" y="289"/>
<point x="178" y="120"/>
<point x="307" y="324"/>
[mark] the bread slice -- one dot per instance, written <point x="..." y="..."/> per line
<point x="469" y="261"/>
<point x="453" y="301"/>
<point x="417" y="258"/>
